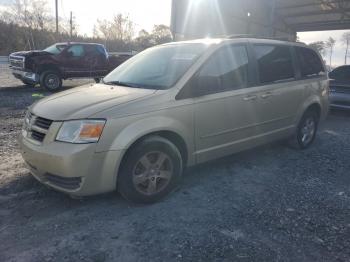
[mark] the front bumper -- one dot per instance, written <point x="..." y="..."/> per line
<point x="75" y="169"/>
<point x="24" y="75"/>
<point x="339" y="100"/>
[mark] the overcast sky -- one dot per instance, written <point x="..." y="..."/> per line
<point x="146" y="13"/>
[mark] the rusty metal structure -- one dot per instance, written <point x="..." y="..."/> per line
<point x="270" y="18"/>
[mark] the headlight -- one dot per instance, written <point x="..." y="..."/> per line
<point x="81" y="131"/>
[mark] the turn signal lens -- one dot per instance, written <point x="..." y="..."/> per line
<point x="91" y="130"/>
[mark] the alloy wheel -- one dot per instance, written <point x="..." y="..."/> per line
<point x="152" y="172"/>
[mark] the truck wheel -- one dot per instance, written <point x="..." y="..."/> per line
<point x="51" y="81"/>
<point x="28" y="84"/>
<point x="151" y="170"/>
<point x="97" y="80"/>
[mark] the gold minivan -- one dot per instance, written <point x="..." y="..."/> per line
<point x="174" y="106"/>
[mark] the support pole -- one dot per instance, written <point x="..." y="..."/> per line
<point x="56" y="4"/>
<point x="272" y="18"/>
<point x="71" y="24"/>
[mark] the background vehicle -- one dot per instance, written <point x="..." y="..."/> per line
<point x="173" y="106"/>
<point x="340" y="87"/>
<point x="62" y="61"/>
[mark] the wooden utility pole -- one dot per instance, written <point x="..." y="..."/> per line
<point x="56" y="4"/>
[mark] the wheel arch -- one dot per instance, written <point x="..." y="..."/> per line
<point x="315" y="107"/>
<point x="172" y="136"/>
<point x="313" y="103"/>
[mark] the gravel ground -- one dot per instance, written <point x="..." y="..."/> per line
<point x="267" y="204"/>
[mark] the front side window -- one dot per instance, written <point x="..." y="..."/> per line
<point x="76" y="50"/>
<point x="309" y="62"/>
<point x="274" y="63"/>
<point x="158" y="67"/>
<point x="55" y="49"/>
<point x="226" y="70"/>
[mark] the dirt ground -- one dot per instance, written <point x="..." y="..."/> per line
<point x="267" y="204"/>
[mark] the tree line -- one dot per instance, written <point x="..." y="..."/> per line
<point x="29" y="25"/>
<point x="327" y="47"/>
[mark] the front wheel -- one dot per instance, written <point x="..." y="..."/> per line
<point x="306" y="130"/>
<point x="51" y="81"/>
<point x="150" y="171"/>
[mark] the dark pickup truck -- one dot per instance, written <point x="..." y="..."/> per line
<point x="63" y="61"/>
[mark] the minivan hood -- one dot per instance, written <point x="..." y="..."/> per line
<point x="85" y="101"/>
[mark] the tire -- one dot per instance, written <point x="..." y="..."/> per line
<point x="28" y="84"/>
<point x="51" y="81"/>
<point x="150" y="171"/>
<point x="306" y="131"/>
<point x="97" y="80"/>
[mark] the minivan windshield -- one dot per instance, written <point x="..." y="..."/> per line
<point x="55" y="49"/>
<point x="158" y="67"/>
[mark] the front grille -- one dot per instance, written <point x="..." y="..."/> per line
<point x="340" y="89"/>
<point x="16" y="62"/>
<point x="37" y="136"/>
<point x="43" y="123"/>
<point x="36" y="127"/>
<point x="342" y="103"/>
<point x="70" y="183"/>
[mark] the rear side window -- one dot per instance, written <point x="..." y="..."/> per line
<point x="76" y="50"/>
<point x="226" y="70"/>
<point x="309" y="62"/>
<point x="274" y="63"/>
<point x="341" y="73"/>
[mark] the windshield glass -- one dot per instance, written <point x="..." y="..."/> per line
<point x="158" y="67"/>
<point x="55" y="49"/>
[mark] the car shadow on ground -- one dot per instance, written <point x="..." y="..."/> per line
<point x="26" y="185"/>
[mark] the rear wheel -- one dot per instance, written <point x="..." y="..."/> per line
<point x="51" y="80"/>
<point x="150" y="171"/>
<point x="306" y="130"/>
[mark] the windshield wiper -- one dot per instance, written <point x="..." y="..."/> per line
<point x="118" y="83"/>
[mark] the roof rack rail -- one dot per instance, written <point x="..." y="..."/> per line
<point x="259" y="37"/>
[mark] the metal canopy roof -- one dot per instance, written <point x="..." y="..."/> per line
<point x="314" y="15"/>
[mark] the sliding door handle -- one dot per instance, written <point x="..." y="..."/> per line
<point x="249" y="98"/>
<point x="266" y="95"/>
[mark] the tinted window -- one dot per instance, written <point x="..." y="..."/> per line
<point x="226" y="70"/>
<point x="309" y="62"/>
<point x="90" y="49"/>
<point x="274" y="63"/>
<point x="55" y="49"/>
<point x="341" y="73"/>
<point x="101" y="50"/>
<point x="76" y="50"/>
